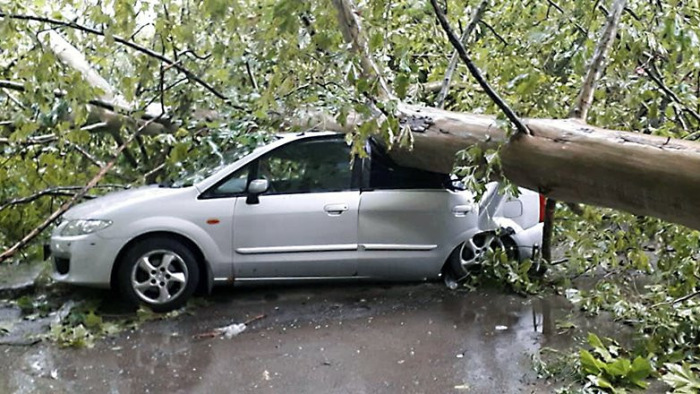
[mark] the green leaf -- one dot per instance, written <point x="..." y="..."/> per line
<point x="598" y="347"/>
<point x="590" y="364"/>
<point x="618" y="368"/>
<point x="641" y="369"/>
<point x="93" y="321"/>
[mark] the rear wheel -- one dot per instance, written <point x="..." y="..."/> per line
<point x="160" y="273"/>
<point x="469" y="256"/>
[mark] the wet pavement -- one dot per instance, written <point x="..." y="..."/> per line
<point x="420" y="338"/>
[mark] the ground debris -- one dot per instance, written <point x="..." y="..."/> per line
<point x="229" y="331"/>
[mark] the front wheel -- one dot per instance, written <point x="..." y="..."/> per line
<point x="469" y="256"/>
<point x="161" y="273"/>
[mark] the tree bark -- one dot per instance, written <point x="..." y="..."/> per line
<point x="352" y="32"/>
<point x="73" y="58"/>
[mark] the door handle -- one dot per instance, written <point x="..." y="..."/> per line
<point x="335" y="209"/>
<point x="461" y="211"/>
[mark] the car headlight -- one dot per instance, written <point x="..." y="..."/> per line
<point x="84" y="226"/>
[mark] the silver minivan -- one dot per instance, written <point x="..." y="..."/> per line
<point x="297" y="209"/>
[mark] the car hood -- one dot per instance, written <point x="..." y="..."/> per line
<point x="102" y="206"/>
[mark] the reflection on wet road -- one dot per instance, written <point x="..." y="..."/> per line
<point x="315" y="339"/>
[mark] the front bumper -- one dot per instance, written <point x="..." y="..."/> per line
<point x="85" y="259"/>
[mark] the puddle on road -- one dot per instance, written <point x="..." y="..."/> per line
<point x="408" y="338"/>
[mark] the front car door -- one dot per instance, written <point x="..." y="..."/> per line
<point x="305" y="225"/>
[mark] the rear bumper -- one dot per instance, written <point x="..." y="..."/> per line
<point x="529" y="241"/>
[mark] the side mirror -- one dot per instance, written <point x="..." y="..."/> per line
<point x="255" y="189"/>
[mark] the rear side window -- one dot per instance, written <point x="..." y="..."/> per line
<point x="385" y="174"/>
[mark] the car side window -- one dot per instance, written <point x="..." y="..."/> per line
<point x="308" y="166"/>
<point x="384" y="173"/>
<point x="236" y="183"/>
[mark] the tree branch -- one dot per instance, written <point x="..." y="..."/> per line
<point x="86" y="154"/>
<point x="561" y="11"/>
<point x="105" y="113"/>
<point x="38" y="140"/>
<point x="125" y="42"/>
<point x="654" y="74"/>
<point x="53" y="191"/>
<point x="72" y="57"/>
<point x="476" y="16"/>
<point x="597" y="65"/>
<point x="476" y="73"/>
<point x="68" y="204"/>
<point x="494" y="32"/>
<point x="352" y="32"/>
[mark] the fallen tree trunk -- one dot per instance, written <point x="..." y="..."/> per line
<point x="570" y="161"/>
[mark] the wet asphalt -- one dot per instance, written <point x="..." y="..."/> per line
<point x="349" y="338"/>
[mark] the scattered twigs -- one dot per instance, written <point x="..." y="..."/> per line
<point x="476" y="16"/>
<point x="77" y="196"/>
<point x="17" y="86"/>
<point x="678" y="300"/>
<point x="476" y="73"/>
<point x="151" y="175"/>
<point x="561" y="11"/>
<point x="251" y="76"/>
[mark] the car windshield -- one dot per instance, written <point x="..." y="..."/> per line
<point x="198" y="170"/>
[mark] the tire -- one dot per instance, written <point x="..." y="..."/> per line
<point x="469" y="256"/>
<point x="160" y="273"/>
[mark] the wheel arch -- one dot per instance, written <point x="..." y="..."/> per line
<point x="206" y="279"/>
<point x="507" y="238"/>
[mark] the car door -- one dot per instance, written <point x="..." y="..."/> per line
<point x="305" y="225"/>
<point x="405" y="215"/>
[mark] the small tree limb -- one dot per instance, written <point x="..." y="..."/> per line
<point x="597" y="64"/>
<point x="53" y="191"/>
<point x="476" y="16"/>
<point x="476" y="73"/>
<point x="494" y="32"/>
<point x="86" y="154"/>
<point x="655" y="76"/>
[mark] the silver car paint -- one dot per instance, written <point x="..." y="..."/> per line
<point x="310" y="234"/>
<point x="390" y="234"/>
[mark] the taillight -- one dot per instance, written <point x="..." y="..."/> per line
<point x="543" y="207"/>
